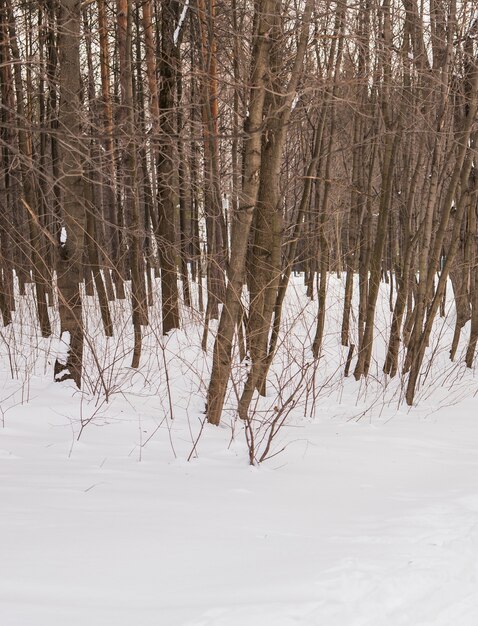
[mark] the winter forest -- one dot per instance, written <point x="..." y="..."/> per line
<point x="239" y="312"/>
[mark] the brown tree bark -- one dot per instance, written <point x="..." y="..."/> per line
<point x="268" y="227"/>
<point x="242" y="218"/>
<point x="130" y="174"/>
<point x="69" y="362"/>
<point x="166" y="233"/>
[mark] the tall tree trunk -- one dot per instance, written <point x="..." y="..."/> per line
<point x="166" y="173"/>
<point x="268" y="227"/>
<point x="130" y="173"/>
<point x="70" y="252"/>
<point x="242" y="218"/>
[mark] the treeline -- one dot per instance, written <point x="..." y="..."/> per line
<point x="224" y="144"/>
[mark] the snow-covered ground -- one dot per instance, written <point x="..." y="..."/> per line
<point x="369" y="516"/>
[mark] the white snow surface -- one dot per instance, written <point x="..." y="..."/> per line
<point x="64" y="347"/>
<point x="182" y="17"/>
<point x="368" y="517"/>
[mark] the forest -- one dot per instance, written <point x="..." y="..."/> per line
<point x="238" y="312"/>
<point x="220" y="147"/>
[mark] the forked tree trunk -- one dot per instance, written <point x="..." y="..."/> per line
<point x="268" y="226"/>
<point x="242" y="218"/>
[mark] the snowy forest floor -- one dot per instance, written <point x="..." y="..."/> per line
<point x="368" y="517"/>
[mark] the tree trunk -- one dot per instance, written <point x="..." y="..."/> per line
<point x="69" y="362"/>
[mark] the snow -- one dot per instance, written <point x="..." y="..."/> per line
<point x="368" y="518"/>
<point x="64" y="347"/>
<point x="182" y="17"/>
<point x="63" y="236"/>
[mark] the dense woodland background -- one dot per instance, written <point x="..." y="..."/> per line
<point x="218" y="146"/>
